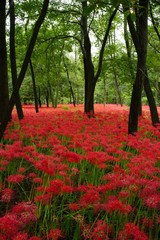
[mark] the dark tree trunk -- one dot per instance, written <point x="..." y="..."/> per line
<point x="12" y="100"/>
<point x="4" y="94"/>
<point x="89" y="74"/>
<point x="88" y="65"/>
<point x="39" y="97"/>
<point x="34" y="86"/>
<point x="140" y="39"/>
<point x="13" y="58"/>
<point x="47" y="97"/>
<point x="151" y="101"/>
<point x="136" y="99"/>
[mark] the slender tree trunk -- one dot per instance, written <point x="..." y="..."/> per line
<point x="104" y="91"/>
<point x="151" y="101"/>
<point x="4" y="93"/>
<point x="50" y="92"/>
<point x="70" y="84"/>
<point x="39" y="97"/>
<point x="34" y="86"/>
<point x="118" y="91"/>
<point x="12" y="100"/>
<point x="47" y="97"/>
<point x="13" y="58"/>
<point x="128" y="49"/>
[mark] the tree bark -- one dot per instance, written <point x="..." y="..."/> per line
<point x="88" y="65"/>
<point x="4" y="93"/>
<point x="128" y="49"/>
<point x="47" y="97"/>
<point x="151" y="101"/>
<point x="8" y="110"/>
<point x="34" y="86"/>
<point x="89" y="73"/>
<point x="140" y="39"/>
<point x="13" y="58"/>
<point x="39" y="97"/>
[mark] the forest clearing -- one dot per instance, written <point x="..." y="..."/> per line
<point x="66" y="176"/>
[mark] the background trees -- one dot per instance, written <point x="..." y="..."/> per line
<point x="85" y="52"/>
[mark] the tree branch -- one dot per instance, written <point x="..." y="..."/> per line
<point x="104" y="43"/>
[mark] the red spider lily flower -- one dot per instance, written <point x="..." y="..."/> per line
<point x="9" y="225"/>
<point x="55" y="234"/>
<point x="72" y="157"/>
<point x="46" y="165"/>
<point x="21" y="170"/>
<point x="153" y="201"/>
<point x="55" y="186"/>
<point x="15" y="178"/>
<point x="89" y="198"/>
<point x="21" y="236"/>
<point x="151" y="187"/>
<point x="26" y="213"/>
<point x="44" y="198"/>
<point x="97" y="207"/>
<point x="124" y="194"/>
<point x="73" y="206"/>
<point x="7" y="194"/>
<point x="147" y="222"/>
<point x="37" y="180"/>
<point x="74" y="171"/>
<point x="32" y="175"/>
<point x="131" y="231"/>
<point x="66" y="189"/>
<point x="4" y="163"/>
<point x="114" y="204"/>
<point x="2" y="237"/>
<point x="101" y="231"/>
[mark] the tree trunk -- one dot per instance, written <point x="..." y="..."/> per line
<point x="21" y="76"/>
<point x="50" y="91"/>
<point x="136" y="99"/>
<point x="4" y="93"/>
<point x="140" y="39"/>
<point x="89" y="74"/>
<point x="89" y="99"/>
<point x="151" y="101"/>
<point x="128" y="49"/>
<point x="47" y="97"/>
<point x="118" y="91"/>
<point x="13" y="58"/>
<point x="70" y="84"/>
<point x="39" y="97"/>
<point x="34" y="86"/>
<point x="88" y="65"/>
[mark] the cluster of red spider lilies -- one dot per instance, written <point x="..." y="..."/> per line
<point x="65" y="176"/>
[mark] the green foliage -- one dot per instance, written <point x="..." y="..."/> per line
<point x="60" y="37"/>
